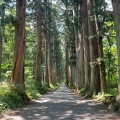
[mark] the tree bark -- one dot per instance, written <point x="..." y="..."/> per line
<point x="39" y="45"/>
<point x="2" y="34"/>
<point x="50" y="43"/>
<point x="103" y="85"/>
<point x="46" y="45"/>
<point x="80" y="38"/>
<point x="93" y="49"/>
<point x="86" y="46"/>
<point x="0" y="53"/>
<point x="17" y="77"/>
<point x="66" y="67"/>
<point x="50" y="59"/>
<point x="116" y="11"/>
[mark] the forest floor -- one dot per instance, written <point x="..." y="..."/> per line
<point x="62" y="104"/>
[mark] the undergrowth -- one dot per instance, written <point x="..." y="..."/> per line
<point x="106" y="98"/>
<point x="55" y="86"/>
<point x="11" y="100"/>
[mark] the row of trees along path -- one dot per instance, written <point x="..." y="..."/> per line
<point x="62" y="104"/>
<point x="82" y="26"/>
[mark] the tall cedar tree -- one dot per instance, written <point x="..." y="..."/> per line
<point x="2" y="32"/>
<point x="116" y="10"/>
<point x="39" y="45"/>
<point x="86" y="46"/>
<point x="46" y="42"/>
<point x="94" y="85"/>
<point x="17" y="77"/>
<point x="99" y="24"/>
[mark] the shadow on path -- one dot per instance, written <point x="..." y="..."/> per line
<point x="62" y="104"/>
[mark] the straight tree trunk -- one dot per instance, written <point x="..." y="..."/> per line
<point x="86" y="46"/>
<point x="46" y="45"/>
<point x="93" y="49"/>
<point x="50" y="17"/>
<point x="0" y="53"/>
<point x="103" y="85"/>
<point x="39" y="45"/>
<point x="116" y="10"/>
<point x="66" y="67"/>
<point x="54" y="68"/>
<point x="80" y="38"/>
<point x="2" y="34"/>
<point x="50" y="59"/>
<point x="17" y="77"/>
<point x="76" y="39"/>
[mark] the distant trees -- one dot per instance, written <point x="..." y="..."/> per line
<point x="88" y="47"/>
<point x="93" y="28"/>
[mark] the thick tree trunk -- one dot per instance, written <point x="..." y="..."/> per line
<point x="93" y="49"/>
<point x="82" y="73"/>
<point x="50" y="46"/>
<point x="0" y="53"/>
<point x="46" y="45"/>
<point x="103" y="84"/>
<point x="80" y="37"/>
<point x="50" y="60"/>
<point x="99" y="24"/>
<point x="53" y="65"/>
<point x="54" y="73"/>
<point x="17" y="77"/>
<point x="39" y="45"/>
<point x="66" y="67"/>
<point x="116" y="10"/>
<point x="86" y="46"/>
<point x="2" y="34"/>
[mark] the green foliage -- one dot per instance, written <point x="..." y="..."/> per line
<point x="105" y="98"/>
<point x="110" y="56"/>
<point x="55" y="86"/>
<point x="42" y="89"/>
<point x="9" y="99"/>
<point x="82" y="91"/>
<point x="31" y="89"/>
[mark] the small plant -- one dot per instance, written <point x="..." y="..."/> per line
<point x="82" y="92"/>
<point x="105" y="98"/>
<point x="54" y="86"/>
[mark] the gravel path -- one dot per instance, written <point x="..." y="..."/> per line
<point x="62" y="104"/>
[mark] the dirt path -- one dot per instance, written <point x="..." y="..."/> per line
<point x="62" y="105"/>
